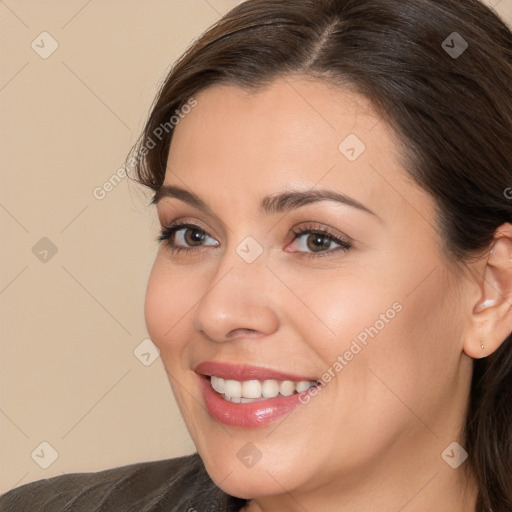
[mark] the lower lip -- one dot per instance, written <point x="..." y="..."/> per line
<point x="249" y="415"/>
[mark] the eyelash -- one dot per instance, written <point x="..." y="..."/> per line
<point x="168" y="231"/>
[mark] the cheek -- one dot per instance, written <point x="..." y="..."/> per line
<point x="167" y="301"/>
<point x="332" y="308"/>
<point x="392" y="335"/>
<point x="410" y="359"/>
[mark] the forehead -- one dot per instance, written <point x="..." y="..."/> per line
<point x="290" y="116"/>
<point x="294" y="133"/>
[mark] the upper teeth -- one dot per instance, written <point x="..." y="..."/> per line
<point x="253" y="389"/>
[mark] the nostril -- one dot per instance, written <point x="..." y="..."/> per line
<point x="242" y="333"/>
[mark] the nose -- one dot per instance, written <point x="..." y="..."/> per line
<point x="238" y="302"/>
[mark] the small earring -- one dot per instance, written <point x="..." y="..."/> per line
<point x="482" y="339"/>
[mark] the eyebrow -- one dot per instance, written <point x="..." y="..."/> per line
<point x="278" y="203"/>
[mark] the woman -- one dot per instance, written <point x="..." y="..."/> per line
<point x="332" y="292"/>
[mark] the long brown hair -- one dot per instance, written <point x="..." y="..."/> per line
<point x="451" y="111"/>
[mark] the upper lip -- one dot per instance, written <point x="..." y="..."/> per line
<point x="243" y="372"/>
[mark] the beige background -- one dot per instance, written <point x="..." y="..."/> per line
<point x="69" y="325"/>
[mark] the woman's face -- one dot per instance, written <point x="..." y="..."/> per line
<point x="362" y="308"/>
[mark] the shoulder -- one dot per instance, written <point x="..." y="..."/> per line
<point x="171" y="485"/>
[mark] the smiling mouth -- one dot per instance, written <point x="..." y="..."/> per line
<point x="248" y="396"/>
<point x="255" y="390"/>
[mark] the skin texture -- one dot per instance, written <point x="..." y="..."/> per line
<point x="376" y="431"/>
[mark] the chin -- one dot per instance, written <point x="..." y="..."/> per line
<point x="246" y="484"/>
<point x="264" y="478"/>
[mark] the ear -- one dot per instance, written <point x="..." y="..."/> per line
<point x="491" y="318"/>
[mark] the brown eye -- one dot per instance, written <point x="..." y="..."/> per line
<point x="185" y="237"/>
<point x="316" y="241"/>
<point x="193" y="236"/>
